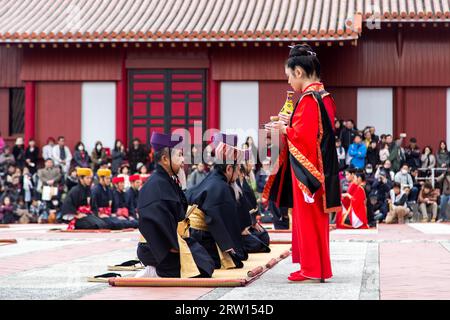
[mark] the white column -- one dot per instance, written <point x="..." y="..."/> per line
<point x="98" y="114"/>
<point x="239" y="109"/>
<point x="375" y="108"/>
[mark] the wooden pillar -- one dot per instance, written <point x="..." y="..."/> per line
<point x="30" y="111"/>
<point x="213" y="121"/>
<point x="121" y="106"/>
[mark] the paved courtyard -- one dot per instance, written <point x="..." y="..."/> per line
<point x="392" y="262"/>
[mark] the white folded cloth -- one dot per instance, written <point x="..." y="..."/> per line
<point x="307" y="198"/>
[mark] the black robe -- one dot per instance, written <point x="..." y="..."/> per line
<point x="256" y="241"/>
<point x="216" y="199"/>
<point x="119" y="200"/>
<point x="244" y="206"/>
<point x="280" y="216"/>
<point x="132" y="196"/>
<point x="250" y="196"/>
<point x="80" y="196"/>
<point x="101" y="198"/>
<point x="161" y="206"/>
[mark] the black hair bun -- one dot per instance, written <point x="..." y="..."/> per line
<point x="303" y="56"/>
<point x="300" y="50"/>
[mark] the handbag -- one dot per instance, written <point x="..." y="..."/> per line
<point x="48" y="192"/>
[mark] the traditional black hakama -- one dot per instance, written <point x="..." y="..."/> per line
<point x="215" y="198"/>
<point x="280" y="216"/>
<point x="161" y="206"/>
<point x="256" y="241"/>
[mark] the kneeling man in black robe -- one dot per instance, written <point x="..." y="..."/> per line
<point x="216" y="224"/>
<point x="162" y="208"/>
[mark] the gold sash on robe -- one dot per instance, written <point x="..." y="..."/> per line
<point x="188" y="267"/>
<point x="226" y="261"/>
<point x="196" y="219"/>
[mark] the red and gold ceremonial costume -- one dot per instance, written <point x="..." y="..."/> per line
<point x="307" y="180"/>
<point x="354" y="210"/>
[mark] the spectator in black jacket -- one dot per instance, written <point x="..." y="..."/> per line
<point x="72" y="179"/>
<point x="380" y="190"/>
<point x="19" y="152"/>
<point x="374" y="136"/>
<point x="32" y="156"/>
<point x="413" y="153"/>
<point x="374" y="208"/>
<point x="348" y="134"/>
<point x="370" y="177"/>
<point x="136" y="154"/>
<point x="373" y="154"/>
<point x="119" y="155"/>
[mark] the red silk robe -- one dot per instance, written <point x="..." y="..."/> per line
<point x="354" y="213"/>
<point x="310" y="221"/>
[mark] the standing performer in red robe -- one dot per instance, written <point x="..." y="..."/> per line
<point x="354" y="210"/>
<point x="307" y="177"/>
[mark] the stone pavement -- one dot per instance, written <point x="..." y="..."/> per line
<point x="392" y="262"/>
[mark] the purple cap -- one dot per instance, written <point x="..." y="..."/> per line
<point x="229" y="139"/>
<point x="226" y="149"/>
<point x="162" y="140"/>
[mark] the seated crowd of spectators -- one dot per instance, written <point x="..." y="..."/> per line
<point x="34" y="181"/>
<point x="402" y="180"/>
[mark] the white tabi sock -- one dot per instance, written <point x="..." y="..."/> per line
<point x="147" y="272"/>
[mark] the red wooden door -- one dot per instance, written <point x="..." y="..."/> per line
<point x="165" y="100"/>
